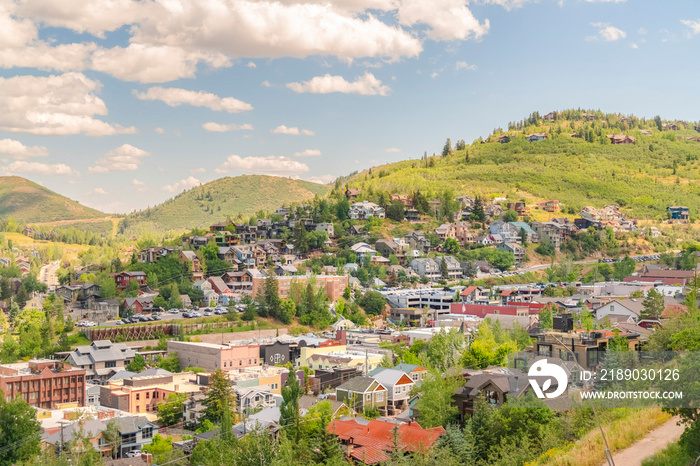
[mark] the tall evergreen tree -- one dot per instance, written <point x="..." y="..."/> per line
<point x="290" y="416"/>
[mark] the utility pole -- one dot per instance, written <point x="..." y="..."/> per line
<point x="62" y="422"/>
<point x="366" y="361"/>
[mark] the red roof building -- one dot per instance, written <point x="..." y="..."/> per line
<point x="371" y="443"/>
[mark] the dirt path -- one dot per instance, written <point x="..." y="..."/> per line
<point x="654" y="441"/>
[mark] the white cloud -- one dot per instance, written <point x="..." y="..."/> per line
<point x="282" y="129"/>
<point x="308" y="153"/>
<point x="251" y="65"/>
<point x="219" y="128"/>
<point x="95" y="17"/>
<point x="270" y="165"/>
<point x="507" y="4"/>
<point x="266" y="83"/>
<point x="322" y="179"/>
<point x="125" y="158"/>
<point x="392" y="149"/>
<point x="38" y="54"/>
<point x="609" y="33"/>
<point x="159" y="130"/>
<point x="462" y="65"/>
<point x="273" y="29"/>
<point x="634" y="45"/>
<point x="153" y="64"/>
<point x="605" y="1"/>
<point x="99" y="191"/>
<point x="54" y="105"/>
<point x="434" y="74"/>
<point x="36" y="168"/>
<point x="17" y="150"/>
<point x="184" y="184"/>
<point x="136" y="182"/>
<point x="693" y="25"/>
<point x="447" y="19"/>
<point x="366" y="84"/>
<point x="198" y="170"/>
<point x="174" y="97"/>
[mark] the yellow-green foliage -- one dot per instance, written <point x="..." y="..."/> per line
<point x="621" y="433"/>
<point x="639" y="177"/>
<point x="226" y="197"/>
<point x="28" y="202"/>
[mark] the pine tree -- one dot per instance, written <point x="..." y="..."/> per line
<point x="290" y="416"/>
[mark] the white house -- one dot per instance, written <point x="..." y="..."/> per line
<point x="365" y="209"/>
<point x="626" y="307"/>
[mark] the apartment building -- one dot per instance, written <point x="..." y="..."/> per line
<point x="43" y="383"/>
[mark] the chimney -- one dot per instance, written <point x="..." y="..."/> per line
<point x="340" y="336"/>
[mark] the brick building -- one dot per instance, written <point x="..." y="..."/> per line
<point x="43" y="383"/>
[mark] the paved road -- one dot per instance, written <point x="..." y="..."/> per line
<point x="47" y="274"/>
<point x="655" y="441"/>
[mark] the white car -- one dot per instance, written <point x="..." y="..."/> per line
<point x="133" y="453"/>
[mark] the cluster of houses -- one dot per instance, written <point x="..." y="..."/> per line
<point x="347" y="365"/>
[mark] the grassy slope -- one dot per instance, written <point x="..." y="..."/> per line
<point x="230" y="197"/>
<point x="26" y="201"/>
<point x="637" y="177"/>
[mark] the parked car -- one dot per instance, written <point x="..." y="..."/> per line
<point x="133" y="453"/>
<point x="155" y="317"/>
<point x="174" y="311"/>
<point x="207" y="314"/>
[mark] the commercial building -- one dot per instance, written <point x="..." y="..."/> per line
<point x="334" y="285"/>
<point x="43" y="383"/>
<point x="210" y="356"/>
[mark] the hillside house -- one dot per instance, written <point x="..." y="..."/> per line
<point x="534" y="137"/>
<point x="79" y="295"/>
<point x="352" y="193"/>
<point x="519" y="207"/>
<point x="444" y="231"/>
<point x="548" y="206"/>
<point x="620" y="139"/>
<point x="517" y="250"/>
<point x="365" y="209"/>
<point x="154" y="254"/>
<point x="508" y="232"/>
<point x="389" y="247"/>
<point x="426" y="268"/>
<point x="454" y="269"/>
<point x="122" y="279"/>
<point x="195" y="264"/>
<point x="417" y="240"/>
<point x="505" y="138"/>
<point x="678" y="212"/>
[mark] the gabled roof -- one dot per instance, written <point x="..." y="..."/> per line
<point x="359" y="384"/>
<point x="391" y="377"/>
<point x="410" y="368"/>
<point x="132" y="424"/>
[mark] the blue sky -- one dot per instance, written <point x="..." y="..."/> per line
<point x="119" y="110"/>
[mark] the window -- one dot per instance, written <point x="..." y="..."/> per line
<point x="278" y="357"/>
<point x="138" y="396"/>
<point x="369" y="397"/>
<point x="147" y="432"/>
<point x="148" y="395"/>
<point x="379" y="396"/>
<point x="138" y="409"/>
<point x="240" y="362"/>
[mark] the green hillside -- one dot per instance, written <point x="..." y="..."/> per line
<point x="219" y="199"/>
<point x="26" y="201"/>
<point x="643" y="178"/>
